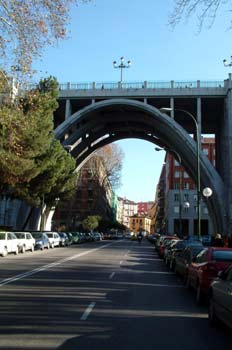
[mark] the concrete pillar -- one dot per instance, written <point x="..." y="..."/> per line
<point x="68" y="109"/>
<point x="227" y="156"/>
<point x="172" y="106"/>
<point x="199" y="122"/>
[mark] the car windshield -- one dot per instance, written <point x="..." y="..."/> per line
<point x="50" y="235"/>
<point x="2" y="235"/>
<point x="19" y="235"/>
<point x="37" y="235"/>
<point x="222" y="255"/>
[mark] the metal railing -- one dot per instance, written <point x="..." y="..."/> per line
<point x="143" y="85"/>
<point x="220" y="84"/>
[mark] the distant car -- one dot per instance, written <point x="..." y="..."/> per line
<point x="206" y="267"/>
<point x="220" y="298"/>
<point x="26" y="241"/>
<point x="97" y="236"/>
<point x="64" y="239"/>
<point x="41" y="240"/>
<point x="8" y="243"/>
<point x="54" y="239"/>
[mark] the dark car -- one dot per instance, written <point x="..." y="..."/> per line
<point x="41" y="240"/>
<point x="185" y="258"/>
<point x="64" y="240"/>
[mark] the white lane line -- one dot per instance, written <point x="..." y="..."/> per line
<point x="49" y="266"/>
<point x="111" y="275"/>
<point x="87" y="311"/>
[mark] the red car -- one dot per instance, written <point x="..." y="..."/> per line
<point x="205" y="268"/>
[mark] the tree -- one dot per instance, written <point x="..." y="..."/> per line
<point x="111" y="157"/>
<point x="26" y="133"/>
<point x="28" y="26"/>
<point x="205" y="10"/>
<point x="91" y="222"/>
<point x="57" y="179"/>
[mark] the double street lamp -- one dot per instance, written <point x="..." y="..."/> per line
<point x="121" y="66"/>
<point x="180" y="183"/>
<point x="198" y="165"/>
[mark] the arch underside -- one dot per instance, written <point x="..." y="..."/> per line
<point x="111" y="120"/>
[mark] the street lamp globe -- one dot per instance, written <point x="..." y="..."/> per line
<point x="207" y="192"/>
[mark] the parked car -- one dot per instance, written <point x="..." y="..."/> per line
<point x="26" y="241"/>
<point x="180" y="246"/>
<point x="164" y="243"/>
<point x="97" y="236"/>
<point x="206" y="267"/>
<point x="168" y="247"/>
<point x="185" y="258"/>
<point x="8" y="243"/>
<point x="41" y="240"/>
<point x="54" y="239"/>
<point x="64" y="240"/>
<point x="220" y="298"/>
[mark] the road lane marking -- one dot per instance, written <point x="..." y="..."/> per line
<point x="121" y="262"/>
<point x="111" y="275"/>
<point x="87" y="311"/>
<point x="48" y="266"/>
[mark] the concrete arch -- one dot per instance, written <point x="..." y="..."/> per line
<point x="107" y="121"/>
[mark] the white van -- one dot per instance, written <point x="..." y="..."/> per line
<point x="8" y="243"/>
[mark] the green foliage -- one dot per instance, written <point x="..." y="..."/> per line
<point x="32" y="162"/>
<point x="91" y="222"/>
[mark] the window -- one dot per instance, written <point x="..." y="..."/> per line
<point x="186" y="185"/>
<point x="176" y="163"/>
<point x="186" y="210"/>
<point x="205" y="151"/>
<point x="195" y="197"/>
<point x="176" y="210"/>
<point x="186" y="175"/>
<point x="176" y="185"/>
<point x="201" y="257"/>
<point x="186" y="197"/>
<point x="205" y="210"/>
<point x="177" y="174"/>
<point x="176" y="197"/>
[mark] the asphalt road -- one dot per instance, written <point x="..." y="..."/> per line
<point x="101" y="296"/>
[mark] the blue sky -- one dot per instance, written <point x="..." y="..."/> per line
<point x="105" y="30"/>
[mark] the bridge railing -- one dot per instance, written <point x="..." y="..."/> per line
<point x="220" y="84"/>
<point x="143" y="85"/>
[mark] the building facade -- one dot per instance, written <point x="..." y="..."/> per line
<point x="140" y="223"/>
<point x="176" y="197"/>
<point x="94" y="196"/>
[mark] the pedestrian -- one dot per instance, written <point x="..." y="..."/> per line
<point x="217" y="241"/>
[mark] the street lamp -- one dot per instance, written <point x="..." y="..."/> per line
<point x="121" y="66"/>
<point x="226" y="64"/>
<point x="180" y="182"/>
<point x="198" y="166"/>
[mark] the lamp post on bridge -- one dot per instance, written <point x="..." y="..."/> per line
<point x="170" y="150"/>
<point x="198" y="165"/>
<point x="121" y="66"/>
<point x="226" y="64"/>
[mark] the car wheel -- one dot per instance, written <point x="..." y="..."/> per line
<point x="17" y="251"/>
<point x="52" y="245"/>
<point x="23" y="249"/>
<point x="213" y="320"/>
<point x="199" y="296"/>
<point x="42" y="247"/>
<point x="32" y="248"/>
<point x="5" y="252"/>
